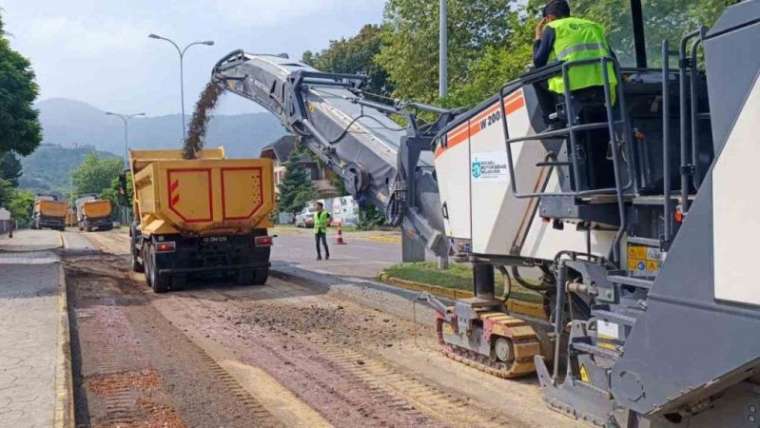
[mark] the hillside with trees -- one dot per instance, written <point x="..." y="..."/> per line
<point x="49" y="169"/>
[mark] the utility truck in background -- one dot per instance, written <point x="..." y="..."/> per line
<point x="93" y="213"/>
<point x="205" y="216"/>
<point x="49" y="212"/>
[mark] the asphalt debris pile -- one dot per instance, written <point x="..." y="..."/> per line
<point x="199" y="124"/>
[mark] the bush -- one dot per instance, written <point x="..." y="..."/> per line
<point x="370" y="218"/>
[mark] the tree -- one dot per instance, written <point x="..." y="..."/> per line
<point x="21" y="206"/>
<point x="122" y="202"/>
<point x="355" y="55"/>
<point x="10" y="168"/>
<point x="663" y="19"/>
<point x="296" y="189"/>
<point x="20" y="129"/>
<point x="496" y="65"/>
<point x="410" y="41"/>
<point x="95" y="175"/>
<point x="370" y="218"/>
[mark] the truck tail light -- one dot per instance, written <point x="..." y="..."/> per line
<point x="166" y="247"/>
<point x="263" y="241"/>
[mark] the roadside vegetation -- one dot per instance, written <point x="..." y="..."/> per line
<point x="458" y="276"/>
<point x="490" y="43"/>
<point x="20" y="131"/>
<point x="100" y="176"/>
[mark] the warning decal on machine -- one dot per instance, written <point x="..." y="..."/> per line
<point x="490" y="166"/>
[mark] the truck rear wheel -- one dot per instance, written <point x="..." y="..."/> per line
<point x="261" y="276"/>
<point x="136" y="265"/>
<point x="160" y="283"/>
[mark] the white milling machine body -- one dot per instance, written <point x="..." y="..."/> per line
<point x="670" y="338"/>
<point x="402" y="170"/>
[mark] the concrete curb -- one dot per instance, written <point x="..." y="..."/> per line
<point x="446" y="293"/>
<point x="64" y="382"/>
<point x="532" y="309"/>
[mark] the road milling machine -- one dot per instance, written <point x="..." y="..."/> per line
<point x="630" y="214"/>
<point x="652" y="320"/>
<point x="395" y="168"/>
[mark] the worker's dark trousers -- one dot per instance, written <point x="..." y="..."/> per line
<point x="322" y="236"/>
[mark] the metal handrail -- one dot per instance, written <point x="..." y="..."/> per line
<point x="570" y="131"/>
<point x="666" y="191"/>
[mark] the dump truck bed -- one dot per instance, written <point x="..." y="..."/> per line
<point x="97" y="209"/>
<point x="51" y="208"/>
<point x="206" y="196"/>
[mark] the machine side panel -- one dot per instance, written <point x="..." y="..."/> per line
<point x="452" y="168"/>
<point x="736" y="230"/>
<point x="489" y="178"/>
<point x="703" y="293"/>
<point x="543" y="241"/>
<point x="732" y="64"/>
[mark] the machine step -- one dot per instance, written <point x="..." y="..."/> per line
<point x="649" y="242"/>
<point x="595" y="350"/>
<point x="633" y="282"/>
<point x="614" y="317"/>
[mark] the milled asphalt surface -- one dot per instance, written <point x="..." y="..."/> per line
<point x="29" y="328"/>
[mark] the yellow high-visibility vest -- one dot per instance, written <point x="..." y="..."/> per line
<point x="579" y="39"/>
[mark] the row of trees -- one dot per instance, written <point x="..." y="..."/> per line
<point x="99" y="176"/>
<point x="20" y="131"/>
<point x="490" y="43"/>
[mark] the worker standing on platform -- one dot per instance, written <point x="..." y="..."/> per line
<point x="562" y="38"/>
<point x="321" y="221"/>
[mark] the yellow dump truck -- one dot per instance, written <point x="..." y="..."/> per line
<point x="205" y="216"/>
<point x="49" y="212"/>
<point x="94" y="213"/>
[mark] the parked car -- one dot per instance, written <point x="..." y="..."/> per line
<point x="305" y="218"/>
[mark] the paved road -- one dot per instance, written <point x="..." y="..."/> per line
<point x="30" y="319"/>
<point x="360" y="258"/>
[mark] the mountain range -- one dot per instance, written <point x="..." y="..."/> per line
<point x="70" y="123"/>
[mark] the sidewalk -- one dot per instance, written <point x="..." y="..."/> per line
<point x="35" y="376"/>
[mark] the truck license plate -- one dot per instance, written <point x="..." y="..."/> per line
<point x="213" y="239"/>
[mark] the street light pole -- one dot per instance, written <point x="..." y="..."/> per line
<point x="125" y="119"/>
<point x="181" y="52"/>
<point x="443" y="55"/>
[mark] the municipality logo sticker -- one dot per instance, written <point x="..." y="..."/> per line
<point x="477" y="170"/>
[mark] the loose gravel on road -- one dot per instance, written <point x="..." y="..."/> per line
<point x="295" y="352"/>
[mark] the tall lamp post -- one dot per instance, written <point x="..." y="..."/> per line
<point x="181" y="52"/>
<point x="125" y="118"/>
<point x="443" y="50"/>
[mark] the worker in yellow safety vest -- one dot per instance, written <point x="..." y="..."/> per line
<point x="562" y="38"/>
<point x="321" y="221"/>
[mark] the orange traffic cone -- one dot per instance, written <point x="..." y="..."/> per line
<point x="339" y="238"/>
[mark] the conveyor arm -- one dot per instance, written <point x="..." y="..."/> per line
<point x="381" y="163"/>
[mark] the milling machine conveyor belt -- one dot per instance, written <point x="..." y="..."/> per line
<point x="354" y="136"/>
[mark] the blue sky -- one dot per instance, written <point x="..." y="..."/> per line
<point x="98" y="51"/>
